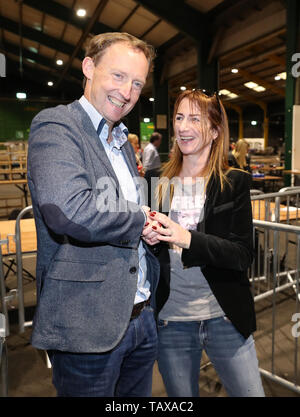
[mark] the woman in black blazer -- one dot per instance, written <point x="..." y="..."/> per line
<point x="204" y="299"/>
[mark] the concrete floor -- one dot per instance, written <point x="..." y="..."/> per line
<point x="28" y="375"/>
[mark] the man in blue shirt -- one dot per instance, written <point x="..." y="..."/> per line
<point x="95" y="277"/>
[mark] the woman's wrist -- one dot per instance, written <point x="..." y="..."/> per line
<point x="187" y="240"/>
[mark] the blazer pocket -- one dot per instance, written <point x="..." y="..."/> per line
<point x="77" y="271"/>
<point x="223" y="207"/>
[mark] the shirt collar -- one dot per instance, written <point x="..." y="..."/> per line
<point x="119" y="132"/>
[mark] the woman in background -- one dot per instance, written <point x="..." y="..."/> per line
<point x="239" y="157"/>
<point x="134" y="140"/>
<point x="204" y="299"/>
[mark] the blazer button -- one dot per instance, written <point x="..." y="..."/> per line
<point x="132" y="270"/>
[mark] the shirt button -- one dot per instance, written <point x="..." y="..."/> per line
<point x="132" y="270"/>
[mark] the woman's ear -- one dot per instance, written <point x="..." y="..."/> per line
<point x="88" y="67"/>
<point x="214" y="133"/>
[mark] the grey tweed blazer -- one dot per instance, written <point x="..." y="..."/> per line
<point x="87" y="261"/>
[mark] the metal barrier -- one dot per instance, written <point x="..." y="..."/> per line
<point x="19" y="262"/>
<point x="271" y="277"/>
<point x="3" y="356"/>
<point x="281" y="207"/>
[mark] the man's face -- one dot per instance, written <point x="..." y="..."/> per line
<point x="115" y="84"/>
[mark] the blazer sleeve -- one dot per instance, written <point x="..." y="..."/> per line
<point x="228" y="243"/>
<point x="62" y="188"/>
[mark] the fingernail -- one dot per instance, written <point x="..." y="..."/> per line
<point x="153" y="213"/>
<point x="154" y="227"/>
<point x="146" y="224"/>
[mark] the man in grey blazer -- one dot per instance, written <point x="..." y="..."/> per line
<point x="96" y="277"/>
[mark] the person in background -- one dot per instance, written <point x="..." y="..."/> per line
<point x="151" y="163"/>
<point x="204" y="299"/>
<point x="134" y="140"/>
<point x="151" y="158"/>
<point x="239" y="157"/>
<point x="95" y="277"/>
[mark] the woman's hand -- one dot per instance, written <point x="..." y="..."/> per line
<point x="149" y="235"/>
<point x="169" y="231"/>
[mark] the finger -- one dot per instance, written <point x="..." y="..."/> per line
<point x="163" y="238"/>
<point x="161" y="230"/>
<point x="159" y="217"/>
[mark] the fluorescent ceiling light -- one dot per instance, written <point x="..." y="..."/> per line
<point x="251" y="84"/>
<point x="259" y="89"/>
<point x="227" y="93"/>
<point x="232" y="95"/>
<point x="224" y="92"/>
<point x="281" y="76"/>
<point x="21" y="96"/>
<point x="255" y="87"/>
<point x="81" y="12"/>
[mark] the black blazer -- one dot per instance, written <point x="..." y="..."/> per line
<point x="223" y="247"/>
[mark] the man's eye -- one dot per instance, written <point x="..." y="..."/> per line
<point x="138" y="85"/>
<point x="118" y="76"/>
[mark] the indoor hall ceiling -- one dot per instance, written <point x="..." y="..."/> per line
<point x="34" y="34"/>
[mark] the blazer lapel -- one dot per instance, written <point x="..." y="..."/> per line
<point x="88" y="131"/>
<point x="128" y="155"/>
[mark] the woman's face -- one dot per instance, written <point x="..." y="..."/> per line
<point x="193" y="134"/>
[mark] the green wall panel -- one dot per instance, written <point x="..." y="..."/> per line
<point x="16" y="117"/>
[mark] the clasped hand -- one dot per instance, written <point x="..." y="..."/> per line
<point x="160" y="228"/>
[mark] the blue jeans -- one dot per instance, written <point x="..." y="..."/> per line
<point x="125" y="371"/>
<point x="180" y="346"/>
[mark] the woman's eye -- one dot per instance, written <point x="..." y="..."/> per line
<point x="178" y="118"/>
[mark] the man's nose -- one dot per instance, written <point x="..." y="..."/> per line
<point x="125" y="90"/>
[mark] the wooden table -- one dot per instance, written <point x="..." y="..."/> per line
<point x="28" y="245"/>
<point x="28" y="236"/>
<point x="263" y="180"/>
<point x="21" y="184"/>
<point x="258" y="211"/>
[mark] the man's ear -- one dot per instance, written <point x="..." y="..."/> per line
<point x="88" y="67"/>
